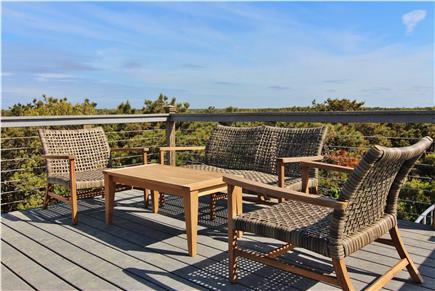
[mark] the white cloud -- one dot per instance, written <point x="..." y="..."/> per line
<point x="44" y="77"/>
<point x="412" y="18"/>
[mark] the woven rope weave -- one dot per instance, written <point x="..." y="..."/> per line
<point x="90" y="148"/>
<point x="372" y="191"/>
<point x="258" y="148"/>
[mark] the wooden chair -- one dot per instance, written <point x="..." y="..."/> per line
<point x="365" y="211"/>
<point x="76" y="160"/>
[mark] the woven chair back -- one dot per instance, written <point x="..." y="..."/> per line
<point x="373" y="187"/>
<point x="89" y="146"/>
<point x="257" y="148"/>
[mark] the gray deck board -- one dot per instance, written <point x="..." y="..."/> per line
<point x="11" y="281"/>
<point x="34" y="274"/>
<point x="142" y="250"/>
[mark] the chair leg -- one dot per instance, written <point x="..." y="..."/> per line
<point x="213" y="206"/>
<point x="232" y="245"/>
<point x="412" y="269"/>
<point x="342" y="274"/>
<point x="74" y="205"/>
<point x="46" y="196"/>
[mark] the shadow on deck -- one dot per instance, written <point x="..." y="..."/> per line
<point x="141" y="250"/>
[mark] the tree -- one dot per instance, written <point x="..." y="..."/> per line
<point x="338" y="105"/>
<point x="158" y="105"/>
<point x="53" y="106"/>
<point x="125" y="108"/>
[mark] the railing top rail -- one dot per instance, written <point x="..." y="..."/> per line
<point x="29" y="121"/>
<point x="386" y="116"/>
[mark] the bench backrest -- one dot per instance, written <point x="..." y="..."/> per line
<point x="89" y="146"/>
<point x="257" y="148"/>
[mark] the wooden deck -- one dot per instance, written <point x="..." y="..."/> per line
<point x="42" y="250"/>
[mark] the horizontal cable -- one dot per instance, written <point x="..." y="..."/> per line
<point x="17" y="191"/>
<point x="23" y="170"/>
<point x="10" y="181"/>
<point x="23" y="148"/>
<point x="19" y="137"/>
<point x="12" y="202"/>
<point x="126" y="157"/>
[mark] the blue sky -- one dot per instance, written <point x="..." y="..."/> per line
<point x="223" y="54"/>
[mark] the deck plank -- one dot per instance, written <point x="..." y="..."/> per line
<point x="101" y="259"/>
<point x="367" y="278"/>
<point x="142" y="250"/>
<point x="213" y="272"/>
<point x="31" y="271"/>
<point x="10" y="281"/>
<point x="76" y="276"/>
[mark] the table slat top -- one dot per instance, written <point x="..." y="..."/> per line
<point x="169" y="176"/>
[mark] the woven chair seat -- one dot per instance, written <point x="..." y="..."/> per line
<point x="257" y="176"/>
<point x="301" y="224"/>
<point x="307" y="226"/>
<point x="85" y="179"/>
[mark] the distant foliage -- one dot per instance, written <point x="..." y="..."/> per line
<point x="337" y="105"/>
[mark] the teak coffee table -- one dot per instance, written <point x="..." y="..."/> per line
<point x="187" y="183"/>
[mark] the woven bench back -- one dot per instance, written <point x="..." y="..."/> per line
<point x="89" y="146"/>
<point x="373" y="188"/>
<point x="257" y="148"/>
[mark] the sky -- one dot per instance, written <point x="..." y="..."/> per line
<point x="243" y="54"/>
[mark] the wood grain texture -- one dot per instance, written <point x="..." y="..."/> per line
<point x="326" y="166"/>
<point x="174" y="179"/>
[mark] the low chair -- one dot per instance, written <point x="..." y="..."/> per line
<point x="76" y="160"/>
<point x="364" y="212"/>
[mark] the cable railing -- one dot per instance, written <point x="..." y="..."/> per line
<point x="23" y="171"/>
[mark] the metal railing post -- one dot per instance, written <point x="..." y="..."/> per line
<point x="170" y="135"/>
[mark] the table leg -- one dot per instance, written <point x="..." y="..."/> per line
<point x="191" y="216"/>
<point x="155" y="195"/>
<point x="109" y="197"/>
<point x="146" y="198"/>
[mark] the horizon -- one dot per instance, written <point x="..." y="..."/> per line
<point x="246" y="55"/>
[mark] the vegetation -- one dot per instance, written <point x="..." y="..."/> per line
<point x="23" y="173"/>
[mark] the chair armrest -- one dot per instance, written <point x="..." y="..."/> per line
<point x="163" y="150"/>
<point x="325" y="166"/>
<point x="287" y="160"/>
<point x="58" y="157"/>
<point x="142" y="150"/>
<point x="278" y="192"/>
<point x="71" y="164"/>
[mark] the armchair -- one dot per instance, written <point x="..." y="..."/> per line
<point x="76" y="160"/>
<point x="365" y="211"/>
